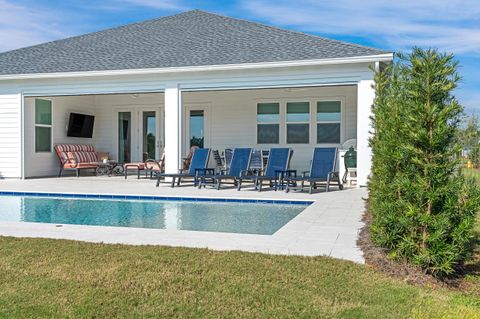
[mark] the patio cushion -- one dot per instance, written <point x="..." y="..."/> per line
<point x="80" y="165"/>
<point x="139" y="165"/>
<point x="76" y="155"/>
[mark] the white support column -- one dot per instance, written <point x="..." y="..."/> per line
<point x="365" y="97"/>
<point x="173" y="127"/>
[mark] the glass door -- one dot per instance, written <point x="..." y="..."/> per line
<point x="149" y="135"/>
<point x="124" y="137"/>
<point x="197" y="128"/>
<point x="150" y="139"/>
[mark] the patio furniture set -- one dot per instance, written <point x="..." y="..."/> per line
<point x="240" y="166"/>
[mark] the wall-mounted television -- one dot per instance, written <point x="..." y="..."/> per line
<point x="80" y="125"/>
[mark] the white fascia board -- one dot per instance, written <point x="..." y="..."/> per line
<point x="226" y="67"/>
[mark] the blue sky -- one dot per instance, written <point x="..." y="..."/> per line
<point x="450" y="25"/>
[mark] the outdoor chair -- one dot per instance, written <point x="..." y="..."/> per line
<point x="239" y="167"/>
<point x="227" y="158"/>
<point x="198" y="163"/>
<point x="277" y="163"/>
<point x="76" y="157"/>
<point x="149" y="166"/>
<point x="322" y="170"/>
<point x="218" y="159"/>
<point x="187" y="160"/>
<point x="256" y="163"/>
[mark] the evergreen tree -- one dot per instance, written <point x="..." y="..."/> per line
<point x="423" y="211"/>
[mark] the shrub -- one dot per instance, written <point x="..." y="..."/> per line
<point x="423" y="211"/>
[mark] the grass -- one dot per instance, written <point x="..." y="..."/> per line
<point x="57" y="278"/>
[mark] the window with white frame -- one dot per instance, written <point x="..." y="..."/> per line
<point x="268" y="123"/>
<point x="298" y="122"/>
<point x="329" y="118"/>
<point x="43" y="126"/>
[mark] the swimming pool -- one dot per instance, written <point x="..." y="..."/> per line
<point x="214" y="215"/>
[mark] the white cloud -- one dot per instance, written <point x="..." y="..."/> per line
<point x="395" y="24"/>
<point x="156" y="4"/>
<point x="22" y="26"/>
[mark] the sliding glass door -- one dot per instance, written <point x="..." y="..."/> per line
<point x="197" y="128"/>
<point x="124" y="137"/>
<point x="149" y="135"/>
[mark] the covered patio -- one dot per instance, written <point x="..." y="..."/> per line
<point x="133" y="127"/>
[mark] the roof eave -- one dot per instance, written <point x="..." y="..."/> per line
<point x="385" y="57"/>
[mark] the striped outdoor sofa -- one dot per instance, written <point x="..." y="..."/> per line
<point x="76" y="157"/>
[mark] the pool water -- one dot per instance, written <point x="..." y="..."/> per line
<point x="230" y="217"/>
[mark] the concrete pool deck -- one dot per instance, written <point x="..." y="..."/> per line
<point x="328" y="227"/>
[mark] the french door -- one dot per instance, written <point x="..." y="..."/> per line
<point x="197" y="126"/>
<point x="140" y="134"/>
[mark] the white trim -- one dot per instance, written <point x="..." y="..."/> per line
<point x="308" y="122"/>
<point x="197" y="106"/>
<point x="341" y="121"/>
<point x="35" y="125"/>
<point x="270" y="101"/>
<point x="22" y="136"/>
<point x="225" y="67"/>
<point x="133" y="91"/>
<point x="230" y="87"/>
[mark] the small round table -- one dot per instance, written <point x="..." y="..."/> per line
<point x="109" y="168"/>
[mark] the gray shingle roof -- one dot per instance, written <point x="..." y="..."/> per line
<point x="192" y="38"/>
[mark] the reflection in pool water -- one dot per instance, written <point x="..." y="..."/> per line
<point x="247" y="218"/>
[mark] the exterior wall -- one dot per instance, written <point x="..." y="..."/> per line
<point x="232" y="117"/>
<point x="10" y="135"/>
<point x="260" y="76"/>
<point x="230" y="120"/>
<point x="366" y="96"/>
<point x="47" y="164"/>
<point x="106" y="108"/>
<point x="103" y="107"/>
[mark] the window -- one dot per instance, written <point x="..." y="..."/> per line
<point x="43" y="126"/>
<point x="298" y="119"/>
<point x="268" y="119"/>
<point x="329" y="118"/>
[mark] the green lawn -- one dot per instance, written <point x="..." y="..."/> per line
<point x="54" y="278"/>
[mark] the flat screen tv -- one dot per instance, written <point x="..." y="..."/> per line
<point x="80" y="125"/>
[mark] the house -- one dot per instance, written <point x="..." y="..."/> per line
<point x="194" y="77"/>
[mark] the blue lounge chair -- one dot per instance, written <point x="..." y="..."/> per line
<point x="256" y="163"/>
<point x="228" y="158"/>
<point x="238" y="167"/>
<point x="322" y="170"/>
<point x="278" y="161"/>
<point x="198" y="164"/>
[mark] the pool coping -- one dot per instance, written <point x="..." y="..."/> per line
<point x="329" y="226"/>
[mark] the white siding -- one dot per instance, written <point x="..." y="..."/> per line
<point x="10" y="135"/>
<point x="47" y="164"/>
<point x="231" y="120"/>
<point x="106" y="108"/>
<point x="233" y="117"/>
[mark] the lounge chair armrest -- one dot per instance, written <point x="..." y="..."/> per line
<point x="244" y="173"/>
<point x="152" y="162"/>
